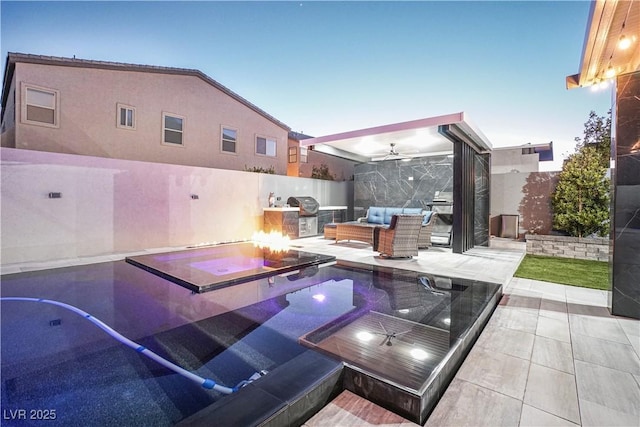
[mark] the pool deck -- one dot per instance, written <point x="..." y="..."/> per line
<point x="550" y="354"/>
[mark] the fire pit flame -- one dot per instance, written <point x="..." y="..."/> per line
<point x="273" y="240"/>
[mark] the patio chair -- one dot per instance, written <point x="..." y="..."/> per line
<point x="401" y="238"/>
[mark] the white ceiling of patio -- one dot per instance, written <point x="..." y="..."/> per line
<point x="417" y="138"/>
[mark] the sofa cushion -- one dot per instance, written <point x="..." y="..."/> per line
<point x="375" y="215"/>
<point x="389" y="212"/>
<point x="412" y="211"/>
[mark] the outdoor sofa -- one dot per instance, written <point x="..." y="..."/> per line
<point x="363" y="228"/>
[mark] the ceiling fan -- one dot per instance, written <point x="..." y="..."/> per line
<point x="392" y="155"/>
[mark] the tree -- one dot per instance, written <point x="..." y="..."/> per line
<point x="597" y="133"/>
<point x="581" y="198"/>
<point x="322" y="172"/>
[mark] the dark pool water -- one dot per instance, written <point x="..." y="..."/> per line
<point x="57" y="364"/>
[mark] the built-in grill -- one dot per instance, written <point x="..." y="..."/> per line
<point x="308" y="216"/>
<point x="443" y="228"/>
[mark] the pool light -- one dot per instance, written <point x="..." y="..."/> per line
<point x="319" y="297"/>
<point x="419" y="354"/>
<point x="364" y="336"/>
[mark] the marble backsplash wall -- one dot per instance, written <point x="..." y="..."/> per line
<point x="400" y="183"/>
<point x="624" y="296"/>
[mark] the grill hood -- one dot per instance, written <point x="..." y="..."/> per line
<point x="307" y="204"/>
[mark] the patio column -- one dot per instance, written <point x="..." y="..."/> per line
<point x="624" y="258"/>
<point x="463" y="197"/>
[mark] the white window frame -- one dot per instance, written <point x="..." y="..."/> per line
<point x="23" y="108"/>
<point x="119" y="109"/>
<point x="304" y="155"/>
<point x="222" y="139"/>
<point x="267" y="139"/>
<point x="177" y="116"/>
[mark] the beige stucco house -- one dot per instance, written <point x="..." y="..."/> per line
<point x="135" y="112"/>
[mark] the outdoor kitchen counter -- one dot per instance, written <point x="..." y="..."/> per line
<point x="321" y="208"/>
<point x="286" y="220"/>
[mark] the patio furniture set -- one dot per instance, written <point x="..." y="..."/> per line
<point x="394" y="232"/>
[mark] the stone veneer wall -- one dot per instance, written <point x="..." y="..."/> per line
<point x="593" y="248"/>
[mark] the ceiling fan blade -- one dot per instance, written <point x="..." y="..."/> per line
<point x="383" y="328"/>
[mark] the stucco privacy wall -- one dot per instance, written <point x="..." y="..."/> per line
<point x="596" y="249"/>
<point x="115" y="206"/>
<point x="527" y="195"/>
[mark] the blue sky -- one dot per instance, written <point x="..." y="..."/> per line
<point x="329" y="67"/>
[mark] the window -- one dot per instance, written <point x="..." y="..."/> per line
<point x="173" y="127"/>
<point x="303" y="154"/>
<point x="293" y="154"/>
<point x="126" y="117"/>
<point x="266" y="146"/>
<point x="40" y="106"/>
<point x="229" y="140"/>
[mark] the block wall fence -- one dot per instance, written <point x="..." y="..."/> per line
<point x="592" y="248"/>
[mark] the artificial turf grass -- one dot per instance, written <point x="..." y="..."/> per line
<point x="567" y="271"/>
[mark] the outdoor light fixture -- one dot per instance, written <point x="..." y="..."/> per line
<point x="610" y="73"/>
<point x="600" y="85"/>
<point x="624" y="42"/>
<point x="55" y="195"/>
<point x="195" y="196"/>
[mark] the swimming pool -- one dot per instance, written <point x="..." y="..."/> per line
<point x="55" y="360"/>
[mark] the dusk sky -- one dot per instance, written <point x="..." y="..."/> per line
<point x="329" y="67"/>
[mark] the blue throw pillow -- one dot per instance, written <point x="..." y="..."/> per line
<point x="427" y="217"/>
<point x="376" y="215"/>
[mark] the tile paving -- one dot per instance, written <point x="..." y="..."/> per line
<point x="551" y="355"/>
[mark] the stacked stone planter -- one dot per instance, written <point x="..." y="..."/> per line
<point x="591" y="248"/>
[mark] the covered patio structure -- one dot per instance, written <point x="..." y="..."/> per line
<point x="440" y="162"/>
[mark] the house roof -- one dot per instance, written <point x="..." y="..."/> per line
<point x="298" y="136"/>
<point x="544" y="150"/>
<point x="423" y="137"/>
<point x="13" y="58"/>
<point x="602" y="55"/>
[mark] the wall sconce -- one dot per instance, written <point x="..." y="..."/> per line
<point x="55" y="195"/>
<point x="195" y="197"/>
